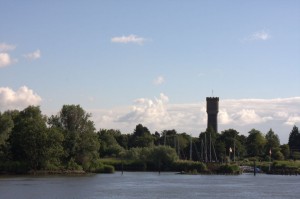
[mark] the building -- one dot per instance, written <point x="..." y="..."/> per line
<point x="212" y="109"/>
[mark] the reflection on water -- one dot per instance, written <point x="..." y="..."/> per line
<point x="139" y="185"/>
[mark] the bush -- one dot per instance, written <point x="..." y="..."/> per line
<point x="189" y="166"/>
<point x="14" y="167"/>
<point x="229" y="169"/>
<point x="72" y="165"/>
<point x="108" y="169"/>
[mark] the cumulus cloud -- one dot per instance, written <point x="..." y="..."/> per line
<point x="19" y="99"/>
<point x="128" y="39"/>
<point x="6" y="47"/>
<point x="241" y="114"/>
<point x="5" y="60"/>
<point x="34" y="55"/>
<point x="158" y="80"/>
<point x="293" y="120"/>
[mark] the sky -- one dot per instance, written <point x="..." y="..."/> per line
<point x="155" y="62"/>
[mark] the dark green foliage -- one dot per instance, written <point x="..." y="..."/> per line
<point x="189" y="166"/>
<point x="109" y="147"/>
<point x="141" y="137"/>
<point x="285" y="150"/>
<point x="294" y="142"/>
<point x="273" y="146"/>
<point x="80" y="140"/>
<point x="229" y="169"/>
<point x="15" y="167"/>
<point x="28" y="138"/>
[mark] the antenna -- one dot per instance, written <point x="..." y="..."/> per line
<point x="212" y="92"/>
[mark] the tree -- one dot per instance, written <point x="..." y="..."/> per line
<point x="231" y="139"/>
<point x="28" y="139"/>
<point x="55" y="151"/>
<point x="80" y="140"/>
<point x="6" y="126"/>
<point x="141" y="137"/>
<point x="294" y="141"/>
<point x="108" y="143"/>
<point x="273" y="145"/>
<point x="255" y="143"/>
<point x="285" y="150"/>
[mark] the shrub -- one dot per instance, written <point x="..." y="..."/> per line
<point x="14" y="167"/>
<point x="189" y="166"/>
<point x="72" y="165"/>
<point x="229" y="169"/>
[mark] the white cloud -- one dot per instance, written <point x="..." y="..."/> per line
<point x="5" y="60"/>
<point x="128" y="39"/>
<point x="20" y="99"/>
<point x="34" y="55"/>
<point x="6" y="47"/>
<point x="158" y="80"/>
<point x="293" y="120"/>
<point x="261" y="35"/>
<point x="241" y="114"/>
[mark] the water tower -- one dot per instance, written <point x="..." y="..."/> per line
<point x="212" y="109"/>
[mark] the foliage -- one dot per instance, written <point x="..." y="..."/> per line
<point x="294" y="142"/>
<point x="189" y="166"/>
<point x="109" y="147"/>
<point x="255" y="143"/>
<point x="229" y="169"/>
<point x="28" y="138"/>
<point x="80" y="140"/>
<point x="285" y="150"/>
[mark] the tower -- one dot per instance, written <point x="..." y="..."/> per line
<point x="212" y="109"/>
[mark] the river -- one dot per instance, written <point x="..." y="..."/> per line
<point x="144" y="185"/>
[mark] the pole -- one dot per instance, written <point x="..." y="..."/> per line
<point x="210" y="146"/>
<point x="254" y="168"/>
<point x="270" y="152"/>
<point x="191" y="149"/>
<point x="234" y="150"/>
<point x="178" y="151"/>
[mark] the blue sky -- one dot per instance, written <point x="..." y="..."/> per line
<point x="154" y="60"/>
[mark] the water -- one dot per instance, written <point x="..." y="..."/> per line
<point x="139" y="185"/>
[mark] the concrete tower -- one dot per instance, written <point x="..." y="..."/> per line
<point x="212" y="109"/>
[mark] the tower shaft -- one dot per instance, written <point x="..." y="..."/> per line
<point x="212" y="109"/>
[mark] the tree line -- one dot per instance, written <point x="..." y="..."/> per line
<point x="69" y="140"/>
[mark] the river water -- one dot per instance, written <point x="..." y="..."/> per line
<point x="143" y="185"/>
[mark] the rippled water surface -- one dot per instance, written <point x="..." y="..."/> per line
<point x="140" y="185"/>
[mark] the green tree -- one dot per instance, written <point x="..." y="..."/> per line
<point x="6" y="126"/>
<point x="294" y="141"/>
<point x="108" y="143"/>
<point x="141" y="137"/>
<point x="28" y="139"/>
<point x="55" y="151"/>
<point x="285" y="150"/>
<point x="255" y="143"/>
<point x="273" y="144"/>
<point x="231" y="139"/>
<point x="80" y="140"/>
